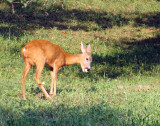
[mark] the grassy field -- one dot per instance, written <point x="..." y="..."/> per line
<point x="123" y="86"/>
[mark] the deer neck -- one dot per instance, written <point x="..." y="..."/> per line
<point x="72" y="59"/>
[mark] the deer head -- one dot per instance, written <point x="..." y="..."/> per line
<point x="86" y="58"/>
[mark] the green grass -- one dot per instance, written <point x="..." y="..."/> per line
<point x="123" y="85"/>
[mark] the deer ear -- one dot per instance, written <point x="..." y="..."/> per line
<point x="89" y="48"/>
<point x="82" y="48"/>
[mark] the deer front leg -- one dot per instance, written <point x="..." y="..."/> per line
<point x="53" y="80"/>
<point x="37" y="78"/>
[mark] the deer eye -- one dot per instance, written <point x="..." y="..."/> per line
<point x="87" y="59"/>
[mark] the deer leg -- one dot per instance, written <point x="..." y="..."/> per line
<point x="53" y="80"/>
<point x="24" y="75"/>
<point x="37" y="78"/>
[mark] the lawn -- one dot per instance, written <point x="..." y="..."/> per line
<point x="123" y="86"/>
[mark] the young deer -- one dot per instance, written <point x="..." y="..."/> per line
<point x="41" y="52"/>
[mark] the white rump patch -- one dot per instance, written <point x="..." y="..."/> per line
<point x="24" y="50"/>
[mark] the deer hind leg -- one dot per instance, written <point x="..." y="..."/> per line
<point x="53" y="80"/>
<point x="37" y="77"/>
<point x="24" y="75"/>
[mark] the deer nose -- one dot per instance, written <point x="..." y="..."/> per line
<point x="87" y="69"/>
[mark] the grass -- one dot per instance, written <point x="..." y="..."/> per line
<point x="123" y="85"/>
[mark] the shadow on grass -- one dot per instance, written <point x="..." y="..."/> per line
<point x="27" y="113"/>
<point x="31" y="18"/>
<point x="150" y="20"/>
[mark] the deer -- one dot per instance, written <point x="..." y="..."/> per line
<point x="42" y="52"/>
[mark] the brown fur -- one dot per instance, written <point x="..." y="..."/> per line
<point x="41" y="52"/>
